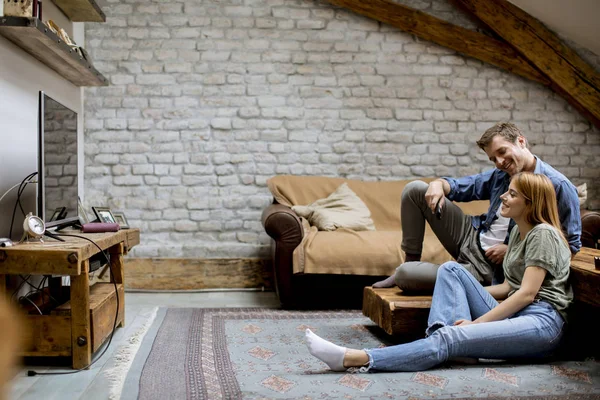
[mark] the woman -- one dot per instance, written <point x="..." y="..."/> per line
<point x="465" y="319"/>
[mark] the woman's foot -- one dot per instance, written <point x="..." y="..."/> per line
<point x="331" y="354"/>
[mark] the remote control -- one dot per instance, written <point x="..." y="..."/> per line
<point x="438" y="209"/>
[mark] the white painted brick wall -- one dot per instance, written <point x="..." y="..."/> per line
<point x="209" y="99"/>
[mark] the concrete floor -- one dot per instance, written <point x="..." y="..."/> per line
<point x="93" y="384"/>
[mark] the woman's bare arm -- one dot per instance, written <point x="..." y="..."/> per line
<point x="532" y="281"/>
<point x="499" y="292"/>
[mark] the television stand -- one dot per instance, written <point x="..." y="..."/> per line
<point x="80" y="326"/>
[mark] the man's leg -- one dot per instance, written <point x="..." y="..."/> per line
<point x="414" y="211"/>
<point x="420" y="277"/>
<point x="416" y="276"/>
<point x="451" y="230"/>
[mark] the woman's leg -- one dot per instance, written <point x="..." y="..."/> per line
<point x="457" y="295"/>
<point x="536" y="332"/>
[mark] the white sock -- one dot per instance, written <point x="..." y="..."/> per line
<point x="331" y="354"/>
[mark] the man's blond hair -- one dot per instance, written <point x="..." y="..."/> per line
<point x="507" y="130"/>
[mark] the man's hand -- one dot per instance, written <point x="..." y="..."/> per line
<point x="463" y="322"/>
<point x="496" y="253"/>
<point x="435" y="193"/>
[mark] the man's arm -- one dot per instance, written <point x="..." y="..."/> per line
<point x="468" y="188"/>
<point x="473" y="187"/>
<point x="437" y="191"/>
<point x="570" y="217"/>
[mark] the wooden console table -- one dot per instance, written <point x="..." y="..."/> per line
<point x="80" y="326"/>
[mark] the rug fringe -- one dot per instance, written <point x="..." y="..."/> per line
<point x="125" y="354"/>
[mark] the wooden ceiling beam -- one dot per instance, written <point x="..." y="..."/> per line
<point x="570" y="76"/>
<point x="470" y="43"/>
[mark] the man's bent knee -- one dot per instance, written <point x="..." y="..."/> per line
<point x="416" y="276"/>
<point x="414" y="187"/>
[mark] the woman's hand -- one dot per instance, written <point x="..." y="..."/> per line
<point x="463" y="322"/>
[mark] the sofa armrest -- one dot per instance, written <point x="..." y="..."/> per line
<point x="284" y="227"/>
<point x="282" y="224"/>
<point x="590" y="228"/>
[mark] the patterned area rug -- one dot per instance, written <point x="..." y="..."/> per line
<point x="260" y="354"/>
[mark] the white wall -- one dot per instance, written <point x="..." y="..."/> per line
<point x="21" y="78"/>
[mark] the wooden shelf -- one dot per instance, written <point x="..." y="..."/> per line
<point x="37" y="39"/>
<point x="81" y="10"/>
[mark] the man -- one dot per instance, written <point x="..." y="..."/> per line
<point x="477" y="242"/>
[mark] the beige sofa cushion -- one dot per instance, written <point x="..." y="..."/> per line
<point x="356" y="253"/>
<point x="382" y="198"/>
<point x="341" y="209"/>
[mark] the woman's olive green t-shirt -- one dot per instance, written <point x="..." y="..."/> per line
<point x="542" y="247"/>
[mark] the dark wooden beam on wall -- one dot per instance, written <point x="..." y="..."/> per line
<point x="470" y="43"/>
<point x="193" y="273"/>
<point x="570" y="76"/>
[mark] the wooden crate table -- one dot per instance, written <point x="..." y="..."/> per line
<point x="80" y="326"/>
<point x="585" y="278"/>
<point x="400" y="314"/>
<point x="396" y="313"/>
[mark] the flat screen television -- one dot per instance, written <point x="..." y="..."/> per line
<point x="57" y="188"/>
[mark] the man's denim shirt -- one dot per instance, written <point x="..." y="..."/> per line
<point x="490" y="185"/>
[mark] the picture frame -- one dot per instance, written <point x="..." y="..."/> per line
<point x="83" y="216"/>
<point x="104" y="214"/>
<point x="121" y="219"/>
<point x="59" y="213"/>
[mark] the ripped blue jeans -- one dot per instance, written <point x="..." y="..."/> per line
<point x="533" y="332"/>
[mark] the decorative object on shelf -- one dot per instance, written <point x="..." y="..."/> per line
<point x="104" y="214"/>
<point x="61" y="33"/>
<point x="37" y="9"/>
<point x="33" y="228"/>
<point x="18" y="8"/>
<point x="85" y="55"/>
<point x="59" y="213"/>
<point x="121" y="219"/>
<point x="98" y="227"/>
<point x="6" y="242"/>
<point x="81" y="212"/>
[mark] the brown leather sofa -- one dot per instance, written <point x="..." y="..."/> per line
<point x="327" y="290"/>
<point x="590" y="229"/>
<point x="306" y="290"/>
<point x="329" y="269"/>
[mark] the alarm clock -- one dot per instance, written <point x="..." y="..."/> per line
<point x="33" y="228"/>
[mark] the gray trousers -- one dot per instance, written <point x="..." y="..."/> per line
<point x="454" y="230"/>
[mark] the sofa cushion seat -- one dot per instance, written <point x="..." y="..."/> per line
<point x="348" y="252"/>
